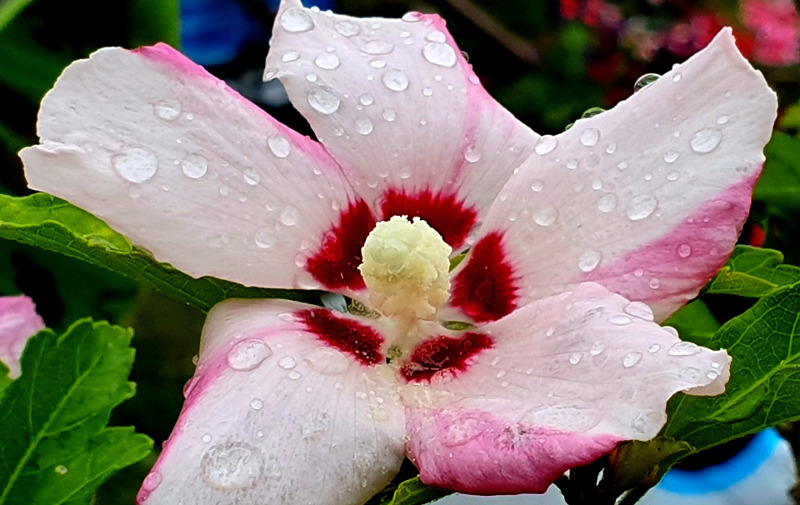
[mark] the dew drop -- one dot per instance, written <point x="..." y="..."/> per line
<point x="684" y="349"/>
<point x="250" y="176"/>
<point x="296" y="20"/>
<point x="311" y="77"/>
<point x="135" y="164"/>
<point x="427" y="91"/>
<point x="597" y="348"/>
<point x="537" y="185"/>
<point x="376" y="47"/>
<point x="546" y="214"/>
<point x="712" y="375"/>
<point x="346" y="28"/>
<point x="61" y="470"/>
<point x="206" y="438"/>
<point x="654" y="283"/>
<point x="589" y="260"/>
<point x="644" y="81"/>
<point x="631" y="359"/>
<point x="256" y="404"/>
<point x="590" y="136"/>
<point x="279" y="146"/>
<point x="232" y="465"/>
<point x="439" y="53"/>
<point x="326" y="61"/>
<point x="545" y="144"/>
<point x="366" y="99"/>
<point x="575" y="358"/>
<point x="395" y="80"/>
<point x="622" y="165"/>
<point x="436" y="36"/>
<point x="328" y="361"/>
<point x="684" y="250"/>
<point x="611" y="148"/>
<point x="290" y="56"/>
<point x="248" y="354"/>
<point x="607" y="203"/>
<point x="654" y="348"/>
<point x="168" y="110"/>
<point x="194" y="165"/>
<point x="620" y="320"/>
<point x="324" y="100"/>
<point x="472" y="154"/>
<point x="550" y="331"/>
<point x="641" y="207"/>
<point x="412" y="17"/>
<point x="671" y="155"/>
<point x="290" y="215"/>
<point x="364" y="125"/>
<point x="389" y="115"/>
<point x="264" y="238"/>
<point x="705" y="140"/>
<point x="639" y="310"/>
<point x="722" y="120"/>
<point x="676" y="77"/>
<point x="287" y="363"/>
<point x="673" y="176"/>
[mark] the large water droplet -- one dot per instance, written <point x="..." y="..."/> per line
<point x="376" y="47"/>
<point x="194" y="165"/>
<point x="641" y="207"/>
<point x="631" y="359"/>
<point x="639" y="310"/>
<point x="412" y="17"/>
<point x="589" y="260"/>
<point x="135" y="164"/>
<point x="439" y="53"/>
<point x="644" y="81"/>
<point x="326" y="61"/>
<point x="395" y="80"/>
<point x="545" y="144"/>
<point x="546" y="214"/>
<point x="590" y="136"/>
<point x="436" y="36"/>
<point x="290" y="215"/>
<point x="472" y="154"/>
<point x="705" y="140"/>
<point x="296" y="20"/>
<point x="279" y="146"/>
<point x="684" y="349"/>
<point x="364" y="125"/>
<point x="168" y="109"/>
<point x="346" y="28"/>
<point x="232" y="465"/>
<point x="248" y="354"/>
<point x="324" y="100"/>
<point x="328" y="361"/>
<point x="607" y="203"/>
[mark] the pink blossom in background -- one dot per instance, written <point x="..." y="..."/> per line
<point x="18" y="322"/>
<point x="539" y="352"/>
<point x="776" y="25"/>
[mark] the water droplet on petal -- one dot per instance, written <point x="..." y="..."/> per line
<point x="575" y="358"/>
<point x="366" y="99"/>
<point x="389" y="115"/>
<point x="644" y="81"/>
<point x="641" y="207"/>
<point x="472" y="154"/>
<point x="546" y="214"/>
<point x="631" y="359"/>
<point x="290" y="56"/>
<point x="296" y="20"/>
<point x="395" y="80"/>
<point x="590" y="136"/>
<point x="607" y="203"/>
<point x="328" y="361"/>
<point x="436" y="36"/>
<point x="324" y="100"/>
<point x="654" y="283"/>
<point x="364" y="126"/>
<point x="377" y="63"/>
<point x="673" y="176"/>
<point x="572" y="163"/>
<point x="287" y="363"/>
<point x="722" y="119"/>
<point x="264" y="238"/>
<point x="206" y="438"/>
<point x="168" y="110"/>
<point x="654" y="348"/>
<point x="671" y="155"/>
<point x="412" y="17"/>
<point x="257" y="404"/>
<point x="248" y="354"/>
<point x="250" y="176"/>
<point x="327" y="61"/>
<point x="279" y="146"/>
<point x="545" y="144"/>
<point x="684" y="349"/>
<point x="194" y="165"/>
<point x="705" y="140"/>
<point x="712" y="375"/>
<point x="611" y="148"/>
<point x="684" y="250"/>
<point x="537" y="185"/>
<point x="290" y="215"/>
<point x="439" y="53"/>
<point x="346" y="28"/>
<point x="232" y="465"/>
<point x="589" y="260"/>
<point x="639" y="310"/>
<point x="135" y="164"/>
<point x="597" y="348"/>
<point x="620" y="320"/>
<point x="376" y="47"/>
<point x="676" y="77"/>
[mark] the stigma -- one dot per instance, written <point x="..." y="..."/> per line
<point x="406" y="267"/>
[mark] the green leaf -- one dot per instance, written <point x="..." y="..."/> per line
<point x="55" y="447"/>
<point x="642" y="464"/>
<point x="9" y="10"/>
<point x="753" y="272"/>
<point x="155" y="21"/>
<point x="50" y="223"/>
<point x="414" y="492"/>
<point x="780" y="183"/>
<point x="695" y="323"/>
<point x="764" y="343"/>
<point x="5" y="380"/>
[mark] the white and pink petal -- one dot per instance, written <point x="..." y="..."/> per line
<point x="647" y="198"/>
<point x="18" y="322"/>
<point x="402" y="111"/>
<point x="554" y="385"/>
<point x="285" y="395"/>
<point x="191" y="171"/>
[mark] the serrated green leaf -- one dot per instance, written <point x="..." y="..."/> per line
<point x="694" y="322"/>
<point x="54" y="446"/>
<point x="9" y="9"/>
<point x="753" y="272"/>
<point x="780" y="182"/>
<point x="764" y="343"/>
<point x="414" y="492"/>
<point x="5" y="380"/>
<point x="51" y="223"/>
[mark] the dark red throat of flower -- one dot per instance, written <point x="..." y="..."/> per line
<point x="443" y="354"/>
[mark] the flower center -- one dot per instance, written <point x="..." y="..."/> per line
<point x="406" y="266"/>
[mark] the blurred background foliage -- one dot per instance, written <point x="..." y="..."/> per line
<point x="546" y="61"/>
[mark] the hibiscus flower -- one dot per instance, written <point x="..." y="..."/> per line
<point x="18" y="322"/>
<point x="539" y="351"/>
